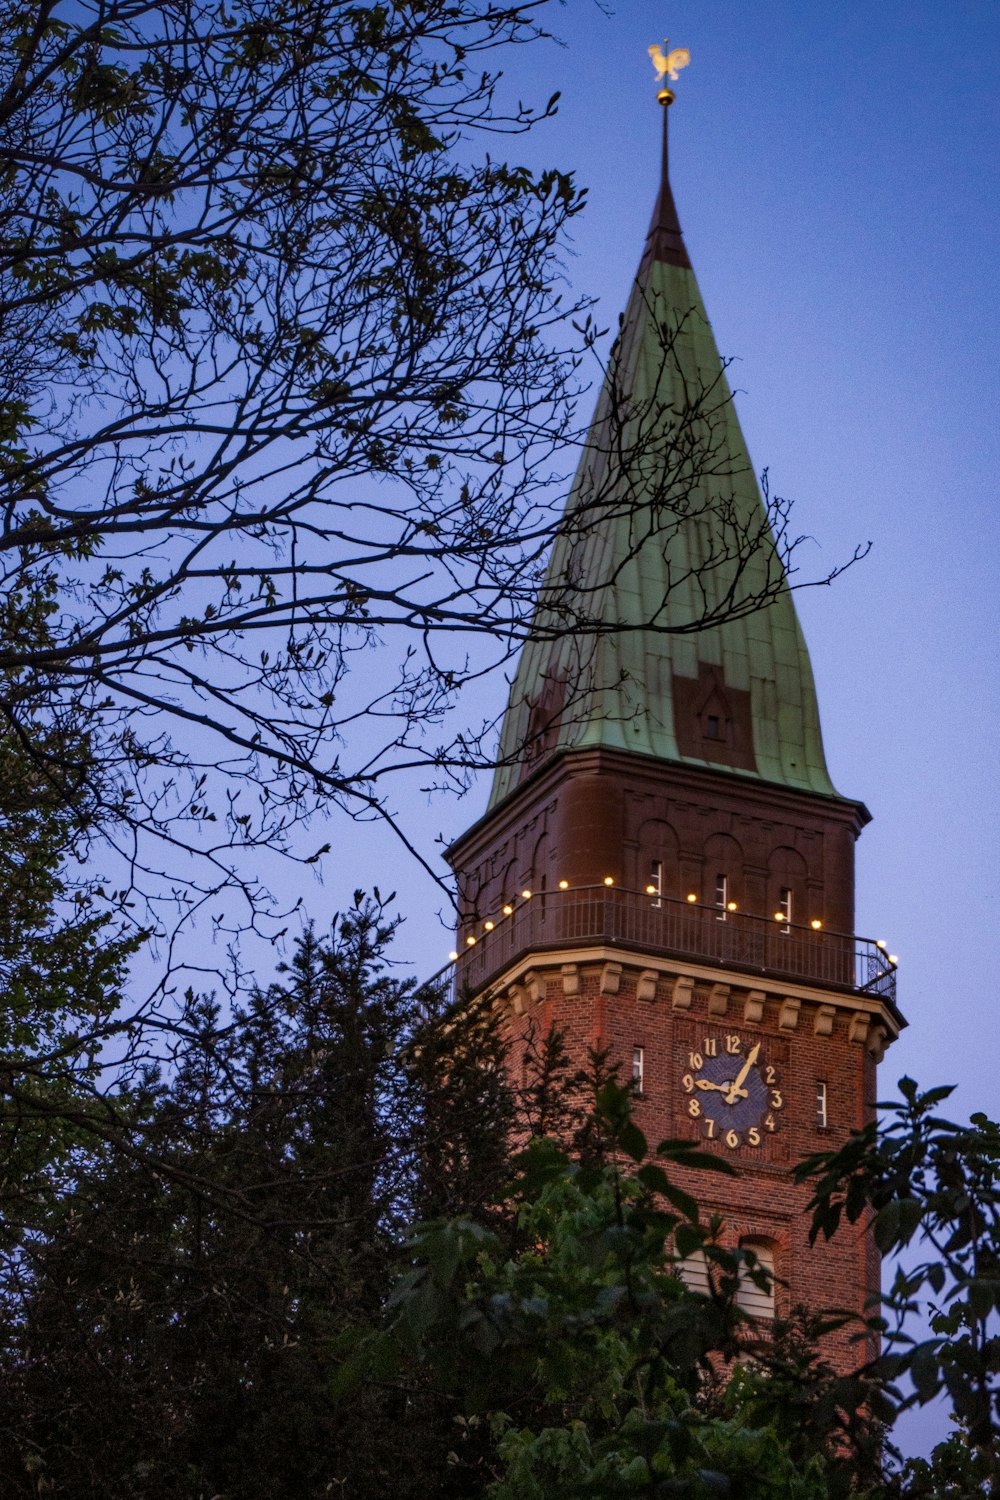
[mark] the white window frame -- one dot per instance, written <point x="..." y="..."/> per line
<point x="785" y="905"/>
<point x="638" y="1068"/>
<point x="822" y="1097"/>
<point x="722" y="897"/>
<point x="656" y="881"/>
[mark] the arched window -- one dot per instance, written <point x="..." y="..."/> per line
<point x="751" y="1298"/>
<point x="693" y="1271"/>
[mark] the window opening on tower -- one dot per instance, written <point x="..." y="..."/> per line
<point x="750" y="1297"/>
<point x="638" y="1068"/>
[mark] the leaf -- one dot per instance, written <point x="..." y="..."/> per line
<point x="656" y="1180"/>
<point x="925" y="1372"/>
<point x="632" y="1141"/>
<point x="688" y="1156"/>
<point x="885" y="1225"/>
<point x="687" y="1240"/>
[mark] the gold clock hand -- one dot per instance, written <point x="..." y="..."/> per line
<point x="703" y="1083"/>
<point x="737" y="1091"/>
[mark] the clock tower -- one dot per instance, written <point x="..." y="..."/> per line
<point x="665" y="869"/>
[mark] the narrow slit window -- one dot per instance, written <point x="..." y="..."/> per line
<point x="721" y="896"/>
<point x="654" y="885"/>
<point x="638" y="1068"/>
<point x="821" y="1118"/>
<point x="712" y="727"/>
<point x="785" y="907"/>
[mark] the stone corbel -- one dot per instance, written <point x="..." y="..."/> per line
<point x="753" y="1008"/>
<point x="571" y="979"/>
<point x="517" y="999"/>
<point x="877" y="1041"/>
<point x="718" y="1000"/>
<point x="858" y="1031"/>
<point x="682" y="992"/>
<point x="611" y="978"/>
<point x="825" y="1017"/>
<point x="788" y="1017"/>
<point x="535" y="985"/>
<point x="646" y="987"/>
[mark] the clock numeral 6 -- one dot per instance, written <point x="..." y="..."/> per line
<point x="732" y="1139"/>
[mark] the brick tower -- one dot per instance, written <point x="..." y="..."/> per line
<point x="665" y="868"/>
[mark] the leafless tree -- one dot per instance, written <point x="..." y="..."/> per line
<point x="286" y="403"/>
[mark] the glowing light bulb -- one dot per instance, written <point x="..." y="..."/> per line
<point x="507" y="911"/>
<point x="779" y="916"/>
<point x="651" y="890"/>
<point x="815" y="924"/>
<point x="564" y="885"/>
<point x="453" y="955"/>
<point x="881" y="943"/>
<point x="894" y="958"/>
<point x="526" y="894"/>
<point x="470" y="941"/>
<point x="609" y="880"/>
<point x="488" y="926"/>
<point x="692" y="896"/>
<point x="730" y="906"/>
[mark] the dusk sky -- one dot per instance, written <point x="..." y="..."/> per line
<point x="835" y="172"/>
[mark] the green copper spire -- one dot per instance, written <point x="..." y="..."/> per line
<point x="697" y="657"/>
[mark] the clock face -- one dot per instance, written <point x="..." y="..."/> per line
<point x="732" y="1091"/>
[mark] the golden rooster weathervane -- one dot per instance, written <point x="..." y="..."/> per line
<point x="668" y="64"/>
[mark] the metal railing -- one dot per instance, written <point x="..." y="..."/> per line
<point x="662" y="925"/>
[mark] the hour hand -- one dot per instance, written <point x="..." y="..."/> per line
<point x="703" y="1083"/>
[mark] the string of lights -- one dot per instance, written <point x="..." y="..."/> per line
<point x="509" y="908"/>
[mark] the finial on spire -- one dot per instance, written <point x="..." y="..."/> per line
<point x="667" y="65"/>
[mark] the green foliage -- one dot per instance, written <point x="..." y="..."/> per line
<point x="597" y="1370"/>
<point x="198" y="1284"/>
<point x="62" y="959"/>
<point x="932" y="1188"/>
<point x="956" y="1470"/>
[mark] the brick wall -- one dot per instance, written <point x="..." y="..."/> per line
<point x="619" y="1006"/>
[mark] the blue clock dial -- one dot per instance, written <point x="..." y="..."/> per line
<point x="732" y="1091"/>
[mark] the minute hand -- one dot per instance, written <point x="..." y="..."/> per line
<point x="737" y="1090"/>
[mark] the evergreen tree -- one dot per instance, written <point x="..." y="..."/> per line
<point x="199" y="1286"/>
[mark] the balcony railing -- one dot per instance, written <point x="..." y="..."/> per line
<point x="662" y="925"/>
